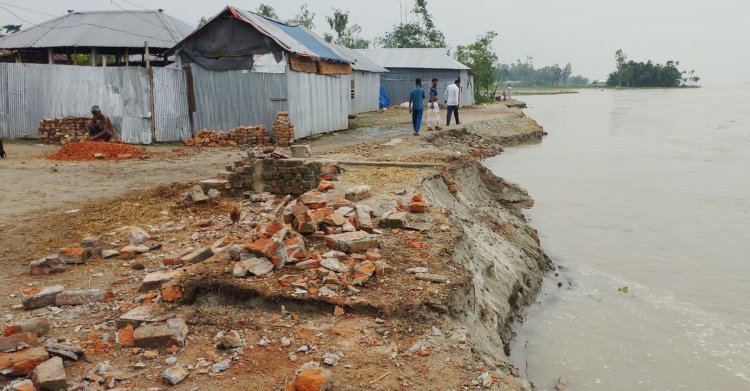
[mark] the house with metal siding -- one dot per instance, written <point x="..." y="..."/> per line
<point x="405" y="65"/>
<point x="364" y="83"/>
<point x="245" y="68"/>
<point x="119" y="33"/>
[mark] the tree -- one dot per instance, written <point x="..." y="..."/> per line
<point x="346" y="35"/>
<point x="202" y="21"/>
<point x="480" y="56"/>
<point x="620" y="59"/>
<point x="419" y="34"/>
<point x="12" y="28"/>
<point x="267" y="11"/>
<point x="566" y="73"/>
<point x="305" y="17"/>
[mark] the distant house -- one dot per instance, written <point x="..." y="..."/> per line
<point x="245" y="68"/>
<point x="364" y="83"/>
<point x="121" y="34"/>
<point x="406" y="65"/>
<point x="599" y="83"/>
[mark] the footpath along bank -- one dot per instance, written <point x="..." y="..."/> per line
<point x="370" y="262"/>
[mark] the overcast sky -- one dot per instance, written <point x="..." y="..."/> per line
<point x="706" y="35"/>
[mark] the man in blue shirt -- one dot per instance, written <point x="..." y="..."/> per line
<point x="416" y="106"/>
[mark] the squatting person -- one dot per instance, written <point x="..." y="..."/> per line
<point x="100" y="126"/>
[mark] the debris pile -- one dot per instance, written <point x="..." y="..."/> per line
<point x="244" y="135"/>
<point x="62" y="130"/>
<point x="271" y="172"/>
<point x="283" y="129"/>
<point x="92" y="150"/>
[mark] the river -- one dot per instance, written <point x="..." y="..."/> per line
<point x="649" y="190"/>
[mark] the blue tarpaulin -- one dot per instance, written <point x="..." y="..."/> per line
<point x="384" y="100"/>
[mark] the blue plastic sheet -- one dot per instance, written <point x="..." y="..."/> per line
<point x="384" y="100"/>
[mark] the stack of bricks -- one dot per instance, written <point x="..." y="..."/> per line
<point x="62" y="130"/>
<point x="269" y="173"/>
<point x="244" y="135"/>
<point x="283" y="129"/>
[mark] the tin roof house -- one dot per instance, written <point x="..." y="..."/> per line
<point x="245" y="68"/>
<point x="122" y="34"/>
<point x="405" y="65"/>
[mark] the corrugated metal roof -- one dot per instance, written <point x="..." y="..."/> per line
<point x="120" y="29"/>
<point x="359" y="61"/>
<point x="413" y="58"/>
<point x="294" y="38"/>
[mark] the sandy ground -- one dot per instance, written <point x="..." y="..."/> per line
<point x="403" y="352"/>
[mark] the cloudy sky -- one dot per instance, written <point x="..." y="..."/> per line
<point x="706" y="35"/>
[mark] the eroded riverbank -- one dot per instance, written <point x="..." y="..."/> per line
<point x="390" y="331"/>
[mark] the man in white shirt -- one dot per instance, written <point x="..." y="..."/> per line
<point x="453" y="100"/>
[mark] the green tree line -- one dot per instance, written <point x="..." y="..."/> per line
<point x="524" y="73"/>
<point x="648" y="74"/>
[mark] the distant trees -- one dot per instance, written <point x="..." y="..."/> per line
<point x="648" y="74"/>
<point x="267" y="11"/>
<point x="524" y="73"/>
<point x="305" y="17"/>
<point x="482" y="59"/>
<point x="346" y="35"/>
<point x="421" y="33"/>
<point x="12" y="28"/>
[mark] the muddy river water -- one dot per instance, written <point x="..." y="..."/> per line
<point x="648" y="190"/>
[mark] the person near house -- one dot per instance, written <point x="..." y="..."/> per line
<point x="452" y="98"/>
<point x="100" y="126"/>
<point x="433" y="108"/>
<point x="416" y="106"/>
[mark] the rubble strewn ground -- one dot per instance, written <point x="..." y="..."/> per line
<point x="377" y="278"/>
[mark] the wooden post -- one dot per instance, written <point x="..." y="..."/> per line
<point x="75" y="56"/>
<point x="104" y="61"/>
<point x="93" y="57"/>
<point x="18" y="57"/>
<point x="50" y="56"/>
<point x="152" y="106"/>
<point x="127" y="57"/>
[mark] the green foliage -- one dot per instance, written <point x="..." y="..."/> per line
<point x="346" y="35"/>
<point x="419" y="34"/>
<point x="11" y="28"/>
<point x="526" y="74"/>
<point x="480" y="56"/>
<point x="267" y="11"/>
<point x="648" y="74"/>
<point x="305" y="17"/>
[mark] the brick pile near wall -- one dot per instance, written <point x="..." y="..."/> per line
<point x="62" y="130"/>
<point x="244" y="135"/>
<point x="270" y="174"/>
<point x="283" y="129"/>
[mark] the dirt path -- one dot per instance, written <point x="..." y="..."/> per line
<point x="31" y="182"/>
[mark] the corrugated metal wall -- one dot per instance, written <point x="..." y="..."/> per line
<point x="366" y="92"/>
<point x="399" y="82"/>
<point x="171" y="105"/>
<point x="225" y="100"/>
<point x="31" y="92"/>
<point x="318" y="103"/>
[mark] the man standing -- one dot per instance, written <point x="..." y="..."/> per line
<point x="433" y="108"/>
<point x="453" y="100"/>
<point x="416" y="106"/>
<point x="100" y="126"/>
